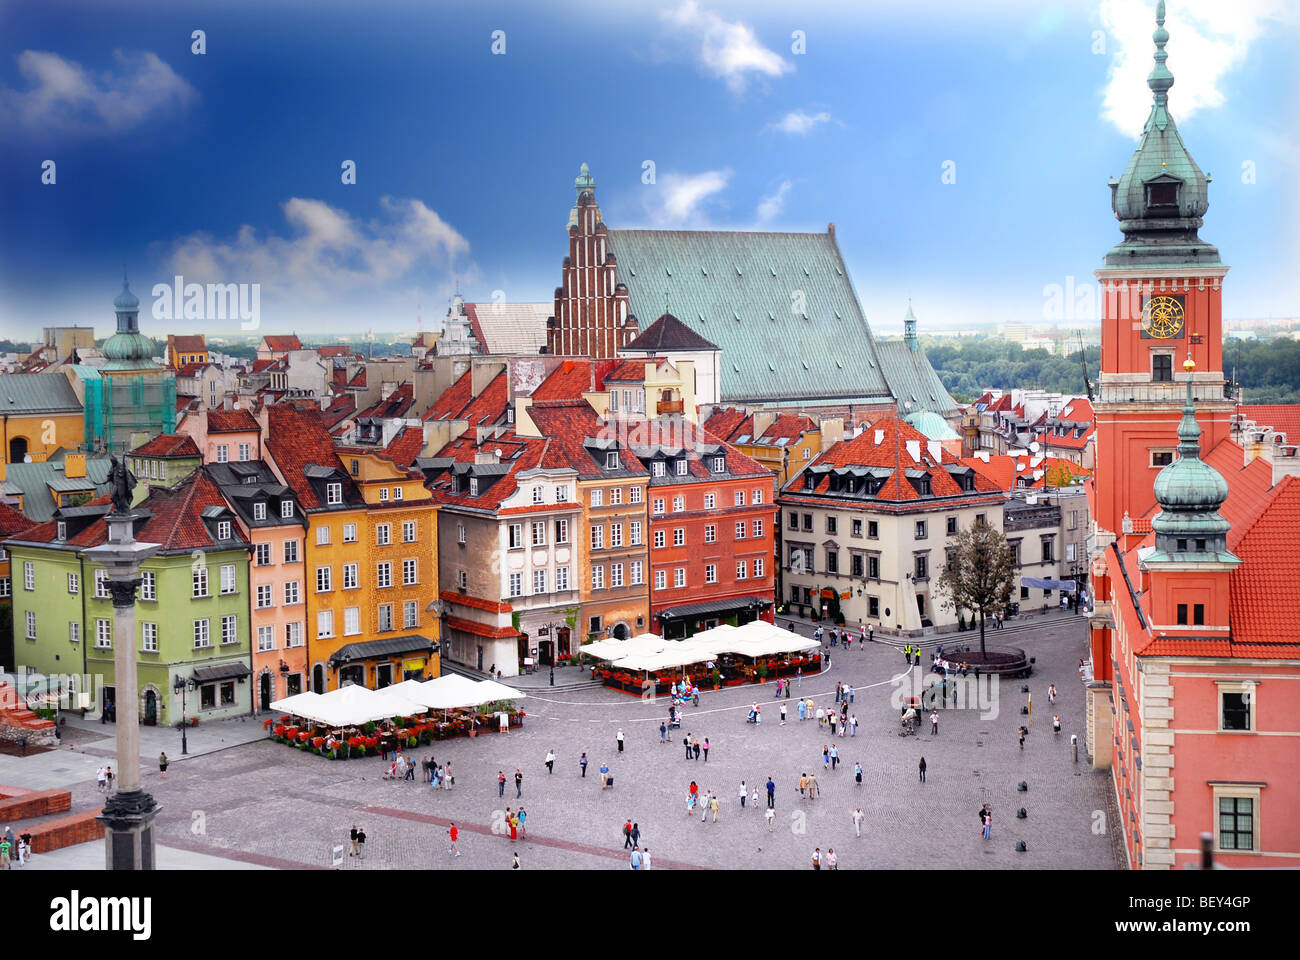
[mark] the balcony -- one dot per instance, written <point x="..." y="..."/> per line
<point x="669" y="406"/>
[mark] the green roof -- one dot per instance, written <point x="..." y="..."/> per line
<point x="779" y="305"/>
<point x="932" y="425"/>
<point x="36" y="481"/>
<point x="37" y="393"/>
<point x="912" y="380"/>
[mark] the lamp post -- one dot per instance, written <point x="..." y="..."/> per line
<point x="181" y="685"/>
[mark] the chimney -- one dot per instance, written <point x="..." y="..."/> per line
<point x="936" y="450"/>
<point x="485" y="456"/>
<point x="879" y="436"/>
<point x="74" y="465"/>
<point x="914" y="449"/>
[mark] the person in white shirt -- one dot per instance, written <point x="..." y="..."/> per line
<point x="858" y="817"/>
<point x="645" y="859"/>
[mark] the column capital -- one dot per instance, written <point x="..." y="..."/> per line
<point x="123" y="592"/>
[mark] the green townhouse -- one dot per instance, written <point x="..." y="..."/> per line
<point x="192" y="609"/>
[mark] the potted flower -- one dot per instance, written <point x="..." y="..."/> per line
<point x="762" y="673"/>
<point x="716" y="675"/>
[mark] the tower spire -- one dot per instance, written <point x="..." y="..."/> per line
<point x="1160" y="79"/>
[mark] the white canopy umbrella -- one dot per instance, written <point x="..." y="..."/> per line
<point x="297" y="703"/>
<point x="352" y="705"/>
<point x="617" y="649"/>
<point x="490" y="692"/>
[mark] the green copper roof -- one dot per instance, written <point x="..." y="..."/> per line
<point x="1161" y="229"/>
<point x="583" y="183"/>
<point x="932" y="425"/>
<point x="128" y="351"/>
<point x="126" y="300"/>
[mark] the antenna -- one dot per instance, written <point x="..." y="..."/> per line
<point x="1083" y="360"/>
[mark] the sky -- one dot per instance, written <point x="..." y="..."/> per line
<point x="962" y="150"/>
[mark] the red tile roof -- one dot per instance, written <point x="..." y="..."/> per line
<point x="192" y="369"/>
<point x="1000" y="470"/>
<point x="454" y="399"/>
<point x="396" y="404"/>
<point x="188" y="343"/>
<point x="1249" y="487"/>
<point x="1268" y="575"/>
<point x="1001" y="403"/>
<point x="787" y="426"/>
<point x="340" y="409"/>
<point x="296" y="439"/>
<point x="630" y="370"/>
<point x="232" y="421"/>
<point x="168" y="445"/>
<point x="572" y="379"/>
<point x="1279" y="417"/>
<point x="480" y="629"/>
<point x="490" y="405"/>
<point x="518" y="453"/>
<point x="727" y="423"/>
<point x="13" y="521"/>
<point x="405" y="446"/>
<point x="279" y="343"/>
<point x="335" y="350"/>
<point x="465" y="600"/>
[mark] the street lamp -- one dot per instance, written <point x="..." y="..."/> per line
<point x="181" y="685"/>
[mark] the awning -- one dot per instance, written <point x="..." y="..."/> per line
<point x="1039" y="584"/>
<point x="387" y="647"/>
<point x="706" y="607"/>
<point x="221" y="671"/>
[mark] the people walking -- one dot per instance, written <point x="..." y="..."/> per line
<point x="783" y="713"/>
<point x="934" y="723"/>
<point x="826" y="757"/>
<point x="108" y="777"/>
<point x="663" y="732"/>
<point x="1056" y="724"/>
<point x="501" y="783"/>
<point x="1023" y="733"/>
<point x="514" y="863"/>
<point x="744" y="794"/>
<point x="619" y="738"/>
<point x="771" y="794"/>
<point x="835" y="757"/>
<point x="857" y="773"/>
<point x="803" y="709"/>
<point x="635" y="859"/>
<point x="858" y="817"/>
<point x="921" y="769"/>
<point x="361" y="843"/>
<point x="817" y="859"/>
<point x="519" y="783"/>
<point x="101" y="779"/>
<point x="813" y="789"/>
<point x="686" y="742"/>
<point x="1051" y="694"/>
<point x="803" y="785"/>
<point x="162" y="764"/>
<point x="604" y="775"/>
<point x="853" y="725"/>
<point x="987" y="818"/>
<point x="706" y="749"/>
<point x="695" y="746"/>
<point x="645" y="859"/>
<point x="550" y="761"/>
<point x="453" y="834"/>
<point x="771" y="819"/>
<point x="582" y="765"/>
<point x="522" y="817"/>
<point x="627" y="835"/>
<point x="352" y="838"/>
<point x="714" y="805"/>
<point x="832" y="862"/>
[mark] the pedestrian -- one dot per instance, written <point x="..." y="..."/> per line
<point x="803" y="785"/>
<point x="817" y="859"/>
<point x="645" y="859"/>
<point x="803" y="709"/>
<point x="695" y="745"/>
<point x="783" y="713"/>
<point x="627" y="834"/>
<point x="857" y="773"/>
<point x="826" y="757"/>
<point x="619" y="738"/>
<point x="934" y="723"/>
<point x="838" y="689"/>
<point x="744" y="794"/>
<point x="771" y="794"/>
<point x="663" y="732"/>
<point x="410" y="771"/>
<point x="635" y="859"/>
<point x="1023" y="732"/>
<point x="853" y="725"/>
<point x="352" y="838"/>
<point x="522" y="817"/>
<point x="604" y="774"/>
<point x="513" y="822"/>
<point x="832" y="862"/>
<point x="821" y="717"/>
<point x="101" y="779"/>
<point x="704" y="807"/>
<point x="695" y="698"/>
<point x="636" y="835"/>
<point x="108" y="775"/>
<point x="921" y="768"/>
<point x="714" y="805"/>
<point x="798" y="677"/>
<point x="162" y="764"/>
<point x="24" y="848"/>
<point x="519" y="783"/>
<point x="550" y="761"/>
<point x="813" y="788"/>
<point x="835" y="757"/>
<point x="706" y="749"/>
<point x="514" y="864"/>
<point x="501" y="783"/>
<point x="454" y="835"/>
<point x="1051" y="694"/>
<point x="686" y="742"/>
<point x="361" y="843"/>
<point x="753" y="798"/>
<point x="851" y="693"/>
<point x="858" y="817"/>
<point x="988" y="823"/>
<point x="1056" y="724"/>
<point x="4" y="854"/>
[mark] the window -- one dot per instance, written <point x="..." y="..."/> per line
<point x="710" y="573"/>
<point x="265" y="639"/>
<point x="659" y="539"/>
<point x="561" y="531"/>
<point x="383" y="494"/>
<point x="74" y="583"/>
<point x="679" y="504"/>
<point x="598" y="578"/>
<point x="6" y="587"/>
<point x="1235" y="706"/>
<point x="333" y="493"/>
<point x="259" y="511"/>
<point x="385" y="622"/>
<point x="616" y="534"/>
<point x="349" y="533"/>
<point x="31" y="625"/>
<point x="227" y="578"/>
<point x="397" y="493"/>
<point x="657" y="506"/>
<point x="757" y="528"/>
<point x="1161" y="458"/>
<point x="855" y="528"/>
<point x="539" y="533"/>
<point x="561" y="493"/>
<point x="1049" y="549"/>
<point x="1015" y="551"/>
<point x="616" y="495"/>
<point x="539" y="494"/>
<point x="952" y="526"/>
<point x="1074" y="519"/>
<point x="742" y="569"/>
<point x="593" y="624"/>
<point x="262" y="555"/>
<point x="539" y="581"/>
<point x="514" y="536"/>
<point x="679" y="577"/>
<point x="922" y="567"/>
<point x="1162" y="367"/>
<point x="634" y="495"/>
<point x="383" y="534"/>
<point x="758" y="567"/>
<point x="635" y="533"/>
<point x="351" y="621"/>
<point x="793" y="521"/>
<point x="598" y="498"/>
<point x="229" y="629"/>
<point x="873" y="607"/>
<point x="598" y="537"/>
<point x="223" y="529"/>
<point x="263" y="596"/>
<point x="245" y="452"/>
<point x="103" y="633"/>
<point x="473" y="486"/>
<point x="292" y="593"/>
<point x="293" y="634"/>
<point x="561" y="578"/>
<point x="201" y="636"/>
<point x="286" y="509"/>
<point x="384" y="574"/>
<point x="408" y="531"/>
<point x="290" y="551"/>
<point x="855" y="564"/>
<point x="756" y="497"/>
<point x="681" y="467"/>
<point x="808" y="522"/>
<point x="1236" y="826"/>
<point x="101" y="584"/>
<point x="324" y="579"/>
<point x="462" y="580"/>
<point x="616" y="574"/>
<point x="324" y="623"/>
<point x="410" y="572"/>
<point x="410" y="614"/>
<point x="636" y="573"/>
<point x="323" y="536"/>
<point x="832" y="560"/>
<point x="207" y="697"/>
<point x="199" y="576"/>
<point x="873" y="568"/>
<point x="657" y="468"/>
<point x="921" y="530"/>
<point x="1069" y="553"/>
<point x="873" y="530"/>
<point x="611" y="460"/>
<point x="460" y="533"/>
<point x="223" y="453"/>
<point x="711" y="533"/>
<point x="515" y="582"/>
<point x="719" y="464"/>
<point x="661" y="580"/>
<point x="679" y="537"/>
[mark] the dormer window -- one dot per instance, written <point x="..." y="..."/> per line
<point x="333" y="493"/>
<point x="719" y="464"/>
<point x="809" y="481"/>
<point x="851" y="485"/>
<point x="63" y="529"/>
<point x="657" y="468"/>
<point x="682" y="466"/>
<point x="611" y="460"/>
<point x="356" y="467"/>
<point x="259" y="511"/>
<point x="1162" y="194"/>
<point x="223" y="530"/>
<point x="286" y="508"/>
<point x="473" y="486"/>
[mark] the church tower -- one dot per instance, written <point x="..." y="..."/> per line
<point x="591" y="308"/>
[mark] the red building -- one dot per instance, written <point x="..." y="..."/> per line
<point x="1195" y="648"/>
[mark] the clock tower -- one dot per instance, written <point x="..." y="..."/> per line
<point x="1160" y="294"/>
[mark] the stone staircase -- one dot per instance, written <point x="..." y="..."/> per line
<point x="17" y="722"/>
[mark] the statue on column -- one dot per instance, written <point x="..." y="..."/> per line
<point x="120" y="485"/>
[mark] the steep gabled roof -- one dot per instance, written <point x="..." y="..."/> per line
<point x="1278" y="417"/>
<point x="509" y="328"/>
<point x="168" y="445"/>
<point x="282" y="343"/>
<point x="297" y="440"/>
<point x="729" y="424"/>
<point x="396" y="404"/>
<point x="669" y="334"/>
<point x="13" y="522"/>
<point x="232" y="421"/>
<point x="1268" y="574"/>
<point x="572" y="379"/>
<point x="912" y="379"/>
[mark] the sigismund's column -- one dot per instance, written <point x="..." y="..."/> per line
<point x="129" y="814"/>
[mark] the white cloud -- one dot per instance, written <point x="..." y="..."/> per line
<point x="772" y="205"/>
<point x="64" y="97"/>
<point x="678" y="198"/>
<point x="798" y="123"/>
<point x="727" y="50"/>
<point x="330" y="253"/>
<point x="1208" y="39"/>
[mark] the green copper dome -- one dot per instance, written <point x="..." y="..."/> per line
<point x="128" y="349"/>
<point x="1189" y="491"/>
<point x="126" y="300"/>
<point x="1162" y="195"/>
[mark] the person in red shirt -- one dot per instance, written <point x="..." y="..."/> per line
<point x="454" y="834"/>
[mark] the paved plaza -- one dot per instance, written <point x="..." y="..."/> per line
<point x="263" y="804"/>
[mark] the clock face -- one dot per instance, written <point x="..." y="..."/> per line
<point x="1163" y="317"/>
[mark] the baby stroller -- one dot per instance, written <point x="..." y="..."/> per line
<point x="754" y="717"/>
<point x="674" y="723"/>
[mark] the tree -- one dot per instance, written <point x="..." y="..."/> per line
<point x="979" y="573"/>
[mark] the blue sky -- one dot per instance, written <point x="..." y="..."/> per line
<point x="226" y="166"/>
